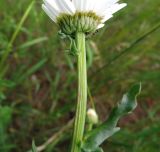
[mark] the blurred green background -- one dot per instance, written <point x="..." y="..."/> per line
<point x="38" y="78"/>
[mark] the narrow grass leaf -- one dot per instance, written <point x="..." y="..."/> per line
<point x="32" y="42"/>
<point x="32" y="70"/>
<point x="8" y="49"/>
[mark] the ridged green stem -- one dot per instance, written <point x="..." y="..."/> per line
<point x="82" y="94"/>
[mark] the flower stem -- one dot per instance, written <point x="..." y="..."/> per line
<point x="82" y="94"/>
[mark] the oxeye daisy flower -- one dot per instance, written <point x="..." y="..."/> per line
<point x="81" y="15"/>
<point x="76" y="19"/>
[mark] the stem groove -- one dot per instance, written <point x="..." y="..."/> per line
<point x="82" y="94"/>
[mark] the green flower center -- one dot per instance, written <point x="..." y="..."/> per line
<point x="79" y="22"/>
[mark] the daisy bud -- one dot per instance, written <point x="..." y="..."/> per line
<point x="92" y="116"/>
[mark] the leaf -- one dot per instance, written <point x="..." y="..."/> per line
<point x="5" y="116"/>
<point x="33" y="42"/>
<point x="2" y="96"/>
<point x="96" y="150"/>
<point x="6" y="83"/>
<point x="30" y="71"/>
<point x="34" y="149"/>
<point x="89" y="51"/>
<point x="97" y="136"/>
<point x="5" y="120"/>
<point x="99" y="150"/>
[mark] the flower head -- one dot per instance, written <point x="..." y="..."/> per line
<point x="81" y="15"/>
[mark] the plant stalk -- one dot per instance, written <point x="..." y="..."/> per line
<point x="13" y="38"/>
<point x="82" y="94"/>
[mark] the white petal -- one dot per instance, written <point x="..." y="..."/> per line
<point x="111" y="9"/>
<point x="77" y="4"/>
<point x="106" y="17"/>
<point x="90" y="5"/>
<point x="65" y="6"/>
<point x="111" y="1"/>
<point x="101" y="6"/>
<point x="87" y="5"/>
<point x="100" y="26"/>
<point x="51" y="5"/>
<point x="83" y="5"/>
<point x="49" y="13"/>
<point x="116" y="7"/>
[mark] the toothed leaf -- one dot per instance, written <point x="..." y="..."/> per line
<point x="97" y="136"/>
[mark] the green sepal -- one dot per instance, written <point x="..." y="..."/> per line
<point x="96" y="137"/>
<point x="62" y="35"/>
<point x="73" y="47"/>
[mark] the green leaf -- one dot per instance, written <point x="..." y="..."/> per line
<point x="90" y="53"/>
<point x="30" y="71"/>
<point x="2" y="97"/>
<point x="5" y="116"/>
<point x="99" y="150"/>
<point x="6" y="83"/>
<point x="34" y="149"/>
<point x="97" y="136"/>
<point x="96" y="150"/>
<point x="5" y="120"/>
<point x="33" y="42"/>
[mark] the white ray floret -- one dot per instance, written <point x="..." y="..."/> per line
<point x="66" y="6"/>
<point x="100" y="26"/>
<point x="49" y="13"/>
<point x="102" y="8"/>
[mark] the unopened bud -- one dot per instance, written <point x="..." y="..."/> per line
<point x="92" y="116"/>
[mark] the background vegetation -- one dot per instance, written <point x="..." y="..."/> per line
<point x="38" y="77"/>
